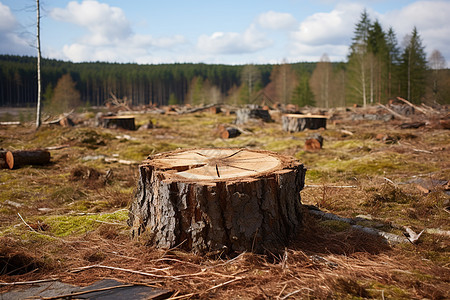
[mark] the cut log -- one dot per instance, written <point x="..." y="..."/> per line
<point x="314" y="142"/>
<point x="294" y="122"/>
<point x="218" y="200"/>
<point x="229" y="133"/>
<point x="17" y="159"/>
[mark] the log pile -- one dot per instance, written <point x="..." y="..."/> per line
<point x="296" y="122"/>
<point x="224" y="200"/>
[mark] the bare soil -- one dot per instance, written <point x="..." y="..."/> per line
<point x="69" y="214"/>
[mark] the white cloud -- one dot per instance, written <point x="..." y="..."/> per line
<point x="106" y="24"/>
<point x="10" y="41"/>
<point x="335" y="27"/>
<point x="109" y="37"/>
<point x="276" y="21"/>
<point x="250" y="41"/>
<point x="431" y="19"/>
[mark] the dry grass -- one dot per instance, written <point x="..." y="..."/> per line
<point x="77" y="208"/>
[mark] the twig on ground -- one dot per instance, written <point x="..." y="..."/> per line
<point x="295" y="292"/>
<point x="119" y="269"/>
<point x="27" y="282"/>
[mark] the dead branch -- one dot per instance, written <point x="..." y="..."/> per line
<point x="9" y="123"/>
<point x="118" y="102"/>
<point x="63" y="116"/>
<point x="56" y="147"/>
<point x="393" y="112"/>
<point x="330" y="186"/>
<point x="26" y="282"/>
<point x="414" y="106"/>
<point x="386" y="235"/>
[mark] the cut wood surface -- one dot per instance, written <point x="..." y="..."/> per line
<point x="218" y="199"/>
<point x="297" y="122"/>
<point x="16" y="159"/>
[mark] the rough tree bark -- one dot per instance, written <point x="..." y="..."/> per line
<point x="294" y="122"/>
<point x="218" y="200"/>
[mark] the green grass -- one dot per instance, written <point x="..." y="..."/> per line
<point x="74" y="225"/>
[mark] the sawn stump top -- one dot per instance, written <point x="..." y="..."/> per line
<point x="215" y="165"/>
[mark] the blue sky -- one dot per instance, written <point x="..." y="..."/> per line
<point x="225" y="32"/>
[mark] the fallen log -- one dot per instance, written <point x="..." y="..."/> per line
<point x="229" y="133"/>
<point x="226" y="200"/>
<point x="296" y="122"/>
<point x="16" y="159"/>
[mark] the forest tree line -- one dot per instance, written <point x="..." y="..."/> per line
<point x="378" y="68"/>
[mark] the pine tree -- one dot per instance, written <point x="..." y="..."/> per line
<point x="393" y="53"/>
<point x="377" y="48"/>
<point x="358" y="61"/>
<point x="413" y="68"/>
<point x="302" y="94"/>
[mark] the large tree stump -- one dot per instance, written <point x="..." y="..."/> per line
<point x="15" y="159"/>
<point x="295" y="122"/>
<point x="218" y="199"/>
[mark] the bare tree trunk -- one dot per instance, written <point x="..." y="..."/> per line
<point x="38" y="109"/>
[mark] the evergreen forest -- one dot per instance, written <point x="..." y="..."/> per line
<point x="377" y="68"/>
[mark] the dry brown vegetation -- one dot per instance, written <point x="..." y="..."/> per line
<point x="74" y="211"/>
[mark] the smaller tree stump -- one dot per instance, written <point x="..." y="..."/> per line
<point x="16" y="159"/>
<point x="296" y="122"/>
<point x="314" y="142"/>
<point x="124" y="122"/>
<point x="226" y="200"/>
<point x="246" y="115"/>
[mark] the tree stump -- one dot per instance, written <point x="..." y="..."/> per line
<point x="246" y="115"/>
<point x="314" y="142"/>
<point x="16" y="159"/>
<point x="124" y="122"/>
<point x="228" y="200"/>
<point x="294" y="122"/>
